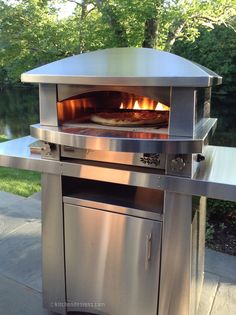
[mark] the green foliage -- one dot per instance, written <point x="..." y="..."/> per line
<point x="128" y="22"/>
<point x="222" y="226"/>
<point x="219" y="212"/>
<point x="216" y="50"/>
<point x="209" y="232"/>
<point x="19" y="182"/>
<point x="220" y="208"/>
<point x="32" y="33"/>
<point x="227" y="139"/>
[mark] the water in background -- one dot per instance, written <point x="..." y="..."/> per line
<point x="19" y="108"/>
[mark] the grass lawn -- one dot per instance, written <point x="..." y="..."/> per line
<point x="19" y="182"/>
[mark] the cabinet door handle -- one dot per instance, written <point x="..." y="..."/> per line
<point x="148" y="248"/>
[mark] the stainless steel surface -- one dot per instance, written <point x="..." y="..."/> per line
<point x="218" y="165"/>
<point x="98" y="138"/>
<point x="106" y="206"/>
<point x="134" y="176"/>
<point x="189" y="163"/>
<point x="207" y="102"/>
<point x="182" y="114"/>
<point x="16" y="153"/>
<point x="201" y="246"/>
<point x="107" y="262"/>
<point x="124" y="66"/>
<point x="216" y="178"/>
<point x="50" y="151"/>
<point x="53" y="268"/>
<point x="174" y="298"/>
<point x="205" y="129"/>
<point x="197" y="251"/>
<point x="48" y="104"/>
<point x="203" y="103"/>
<point x="194" y="255"/>
<point x="179" y="165"/>
<point x="219" y="181"/>
<point x="201" y="187"/>
<point x="189" y="116"/>
<point x="154" y="160"/>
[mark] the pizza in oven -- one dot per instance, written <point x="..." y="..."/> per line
<point x="131" y="118"/>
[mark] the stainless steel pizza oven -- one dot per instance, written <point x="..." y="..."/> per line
<point x="123" y="204"/>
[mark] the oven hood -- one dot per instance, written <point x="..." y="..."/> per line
<point x="126" y="67"/>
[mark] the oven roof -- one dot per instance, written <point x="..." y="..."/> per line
<point x="124" y="66"/>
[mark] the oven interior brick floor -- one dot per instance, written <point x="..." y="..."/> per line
<point x="20" y="264"/>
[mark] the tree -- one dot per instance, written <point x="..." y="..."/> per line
<point x="32" y="32"/>
<point x="182" y="20"/>
<point x="215" y="49"/>
<point x="30" y="35"/>
<point x="158" y="23"/>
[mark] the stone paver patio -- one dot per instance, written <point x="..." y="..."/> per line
<point x="20" y="264"/>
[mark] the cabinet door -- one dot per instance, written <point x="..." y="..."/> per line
<point x="112" y="262"/>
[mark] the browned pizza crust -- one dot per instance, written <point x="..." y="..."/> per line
<point x="132" y="118"/>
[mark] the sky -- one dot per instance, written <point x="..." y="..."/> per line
<point x="65" y="10"/>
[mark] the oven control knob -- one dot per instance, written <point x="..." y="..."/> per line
<point x="177" y="164"/>
<point x="200" y="158"/>
<point x="48" y="148"/>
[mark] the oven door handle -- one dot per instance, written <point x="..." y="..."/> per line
<point x="148" y="249"/>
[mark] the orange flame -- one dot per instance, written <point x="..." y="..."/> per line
<point x="136" y="105"/>
<point x="79" y="109"/>
<point x="143" y="104"/>
<point x="161" y="106"/>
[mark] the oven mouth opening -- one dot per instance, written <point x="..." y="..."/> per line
<point x="114" y="109"/>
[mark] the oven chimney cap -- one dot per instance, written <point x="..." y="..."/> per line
<point x="126" y="67"/>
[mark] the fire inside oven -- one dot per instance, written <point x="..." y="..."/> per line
<point x="113" y="108"/>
